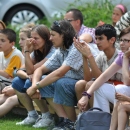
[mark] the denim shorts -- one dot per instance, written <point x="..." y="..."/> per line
<point x="21" y="85"/>
<point x="62" y="91"/>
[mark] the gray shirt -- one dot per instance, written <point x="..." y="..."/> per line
<point x="103" y="64"/>
<point x="69" y="57"/>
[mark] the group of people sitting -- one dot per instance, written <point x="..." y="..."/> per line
<point x="69" y="65"/>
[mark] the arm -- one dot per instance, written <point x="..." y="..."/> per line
<point x="125" y="68"/>
<point x="86" y="70"/>
<point x="85" y="51"/>
<point x="105" y="76"/>
<point x="50" y="78"/>
<point x="122" y="97"/>
<point x="29" y="62"/>
<point x="4" y="74"/>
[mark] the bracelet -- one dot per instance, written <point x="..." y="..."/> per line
<point x="26" y="51"/>
<point x="86" y="94"/>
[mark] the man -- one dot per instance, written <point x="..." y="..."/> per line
<point x="75" y="17"/>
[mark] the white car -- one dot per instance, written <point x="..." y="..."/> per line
<point x="20" y="12"/>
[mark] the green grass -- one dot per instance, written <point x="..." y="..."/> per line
<point x="8" y="123"/>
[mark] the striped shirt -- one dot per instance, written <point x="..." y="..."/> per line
<point x="123" y="23"/>
<point x="69" y="57"/>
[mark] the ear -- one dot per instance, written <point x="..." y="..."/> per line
<point x="112" y="40"/>
<point x="12" y="43"/>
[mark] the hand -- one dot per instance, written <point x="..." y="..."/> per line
<point x="127" y="53"/>
<point x="82" y="103"/>
<point x="31" y="90"/>
<point x="29" y="43"/>
<point x="122" y="97"/>
<point x="82" y="47"/>
<point x="8" y="91"/>
<point x="37" y="95"/>
<point x="100" y="23"/>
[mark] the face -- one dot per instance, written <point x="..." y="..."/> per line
<point x="102" y="42"/>
<point x="39" y="42"/>
<point x="22" y="39"/>
<point x="116" y="15"/>
<point x="125" y="42"/>
<point x="5" y="44"/>
<point x="69" y="16"/>
<point x="1" y="26"/>
<point x="56" y="39"/>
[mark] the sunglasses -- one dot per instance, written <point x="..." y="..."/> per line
<point x="56" y="23"/>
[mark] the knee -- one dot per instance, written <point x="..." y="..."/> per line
<point x="80" y="85"/>
<point x="121" y="107"/>
<point x="88" y="85"/>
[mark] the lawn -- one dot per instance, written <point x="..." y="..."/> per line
<point x="8" y="123"/>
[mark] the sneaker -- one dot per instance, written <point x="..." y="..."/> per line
<point x="29" y="120"/>
<point x="64" y="124"/>
<point x="45" y="121"/>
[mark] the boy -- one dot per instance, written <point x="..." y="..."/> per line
<point x="10" y="56"/>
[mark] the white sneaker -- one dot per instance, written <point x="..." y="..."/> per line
<point x="29" y="120"/>
<point x="45" y="121"/>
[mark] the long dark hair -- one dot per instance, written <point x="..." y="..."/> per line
<point x="44" y="33"/>
<point x="64" y="28"/>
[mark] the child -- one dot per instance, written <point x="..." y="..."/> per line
<point x="122" y="61"/>
<point x="11" y="57"/>
<point x="8" y="96"/>
<point x="121" y="108"/>
<point x="105" y="40"/>
<point x="118" y="11"/>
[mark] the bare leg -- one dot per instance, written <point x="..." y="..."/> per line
<point x="123" y="111"/>
<point x="42" y="105"/>
<point x="80" y="88"/>
<point x="70" y="111"/>
<point x="25" y="100"/>
<point x="60" y="111"/>
<point x="114" y="119"/>
<point x="2" y="98"/>
<point x="8" y="105"/>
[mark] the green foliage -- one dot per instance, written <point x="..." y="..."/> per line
<point x="92" y="12"/>
<point x="96" y="11"/>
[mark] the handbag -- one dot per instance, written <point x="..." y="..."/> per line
<point x="93" y="120"/>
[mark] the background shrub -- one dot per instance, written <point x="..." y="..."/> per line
<point x="92" y="12"/>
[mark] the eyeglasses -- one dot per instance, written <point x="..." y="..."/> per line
<point x="70" y="20"/>
<point x="124" y="40"/>
<point x="56" y="23"/>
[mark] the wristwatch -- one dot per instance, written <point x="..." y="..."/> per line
<point x="37" y="84"/>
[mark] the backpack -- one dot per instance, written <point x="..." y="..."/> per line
<point x="93" y="120"/>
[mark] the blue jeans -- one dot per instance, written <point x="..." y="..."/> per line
<point x="21" y="85"/>
<point x="62" y="91"/>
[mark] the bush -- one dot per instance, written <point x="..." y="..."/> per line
<point x="92" y="13"/>
<point x="96" y="11"/>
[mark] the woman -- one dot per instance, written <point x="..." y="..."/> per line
<point x="67" y="66"/>
<point x="43" y="49"/>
